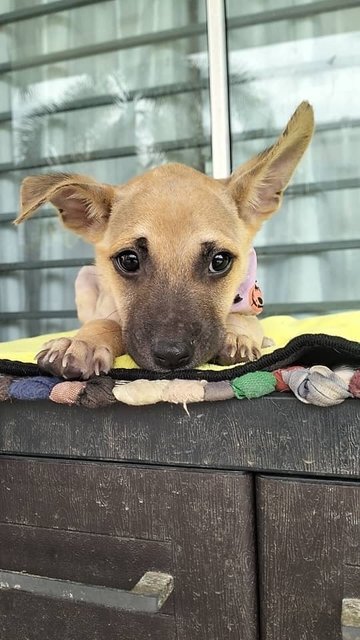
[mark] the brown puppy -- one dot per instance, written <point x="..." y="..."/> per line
<point x="172" y="247"/>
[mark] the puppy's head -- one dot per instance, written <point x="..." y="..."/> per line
<point x="172" y="245"/>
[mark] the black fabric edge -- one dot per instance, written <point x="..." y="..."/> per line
<point x="343" y="351"/>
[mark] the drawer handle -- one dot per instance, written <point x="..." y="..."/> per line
<point x="350" y="619"/>
<point x="147" y="596"/>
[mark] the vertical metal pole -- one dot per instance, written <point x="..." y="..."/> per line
<point x="219" y="90"/>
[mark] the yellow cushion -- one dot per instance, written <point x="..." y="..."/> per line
<point x="280" y="328"/>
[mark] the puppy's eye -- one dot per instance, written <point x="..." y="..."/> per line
<point x="221" y="262"/>
<point x="126" y="262"/>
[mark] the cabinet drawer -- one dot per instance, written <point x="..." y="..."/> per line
<point x="309" y="545"/>
<point x="105" y="525"/>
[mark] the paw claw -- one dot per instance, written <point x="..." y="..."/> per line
<point x="232" y="351"/>
<point x="52" y="357"/>
<point x="67" y="360"/>
<point x="40" y="354"/>
<point x="238" y="348"/>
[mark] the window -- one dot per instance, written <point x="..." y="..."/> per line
<point x="111" y="88"/>
<point x="107" y="88"/>
<point x="280" y="55"/>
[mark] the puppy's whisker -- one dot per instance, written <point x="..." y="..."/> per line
<point x="110" y="314"/>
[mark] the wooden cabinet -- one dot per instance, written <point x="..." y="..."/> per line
<point x="249" y="510"/>
<point x="108" y="524"/>
<point x="309" y="546"/>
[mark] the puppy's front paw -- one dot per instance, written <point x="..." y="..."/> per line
<point x="238" y="349"/>
<point x="72" y="358"/>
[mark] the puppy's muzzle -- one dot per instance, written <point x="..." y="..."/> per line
<point x="170" y="354"/>
<point x="185" y="332"/>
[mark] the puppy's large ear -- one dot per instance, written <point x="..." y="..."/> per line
<point x="257" y="186"/>
<point x="84" y="205"/>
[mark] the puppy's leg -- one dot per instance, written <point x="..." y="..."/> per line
<point x="92" y="350"/>
<point x="92" y="302"/>
<point x="243" y="340"/>
<point x="86" y="293"/>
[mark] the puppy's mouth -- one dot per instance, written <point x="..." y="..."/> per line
<point x="170" y="353"/>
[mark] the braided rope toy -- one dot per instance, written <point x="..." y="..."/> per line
<point x="317" y="385"/>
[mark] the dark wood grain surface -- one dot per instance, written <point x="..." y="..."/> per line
<point x="352" y="577"/>
<point x="92" y="559"/>
<point x="199" y="524"/>
<point x="308" y="534"/>
<point x="26" y="616"/>
<point x="274" y="433"/>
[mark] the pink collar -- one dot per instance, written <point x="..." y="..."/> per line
<point x="249" y="299"/>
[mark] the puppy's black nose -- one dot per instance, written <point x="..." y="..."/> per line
<point x="172" y="355"/>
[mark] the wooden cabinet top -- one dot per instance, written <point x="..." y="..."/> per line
<point x="275" y="433"/>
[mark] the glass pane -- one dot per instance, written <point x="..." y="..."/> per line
<point x="236" y="8"/>
<point x="93" y="24"/>
<point x="139" y="100"/>
<point x="273" y="67"/>
<point x="13" y="5"/>
<point x="140" y="123"/>
<point x="309" y="278"/>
